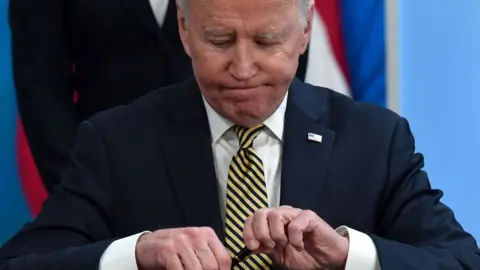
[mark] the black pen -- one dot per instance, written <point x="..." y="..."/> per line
<point x="245" y="252"/>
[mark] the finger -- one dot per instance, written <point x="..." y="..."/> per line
<point x="261" y="228"/>
<point x="300" y="225"/>
<point x="249" y="236"/>
<point x="189" y="259"/>
<point x="277" y="219"/>
<point x="186" y="251"/>
<point x="174" y="263"/>
<point x="205" y="255"/>
<point x="219" y="252"/>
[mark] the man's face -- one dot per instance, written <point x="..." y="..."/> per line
<point x="244" y="53"/>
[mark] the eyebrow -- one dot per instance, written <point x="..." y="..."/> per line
<point x="264" y="34"/>
<point x="272" y="33"/>
<point x="215" y="33"/>
<point x="269" y="35"/>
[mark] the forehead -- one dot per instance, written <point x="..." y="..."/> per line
<point x="247" y="11"/>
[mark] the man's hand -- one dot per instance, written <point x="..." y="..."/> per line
<point x="182" y="248"/>
<point x="296" y="238"/>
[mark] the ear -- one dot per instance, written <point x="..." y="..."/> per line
<point x="307" y="31"/>
<point x="183" y="29"/>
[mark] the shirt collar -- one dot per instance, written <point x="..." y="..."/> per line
<point x="219" y="125"/>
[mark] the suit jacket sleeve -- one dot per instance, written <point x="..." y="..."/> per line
<point x="42" y="74"/>
<point x="72" y="230"/>
<point x="428" y="235"/>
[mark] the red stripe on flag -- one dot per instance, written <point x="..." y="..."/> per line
<point x="31" y="182"/>
<point x="330" y="13"/>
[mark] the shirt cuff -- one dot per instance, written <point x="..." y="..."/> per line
<point x="120" y="255"/>
<point x="362" y="253"/>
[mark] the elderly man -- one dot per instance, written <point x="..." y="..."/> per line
<point x="244" y="157"/>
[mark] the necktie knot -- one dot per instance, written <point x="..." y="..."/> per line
<point x="247" y="135"/>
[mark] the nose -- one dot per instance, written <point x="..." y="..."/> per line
<point x="243" y="65"/>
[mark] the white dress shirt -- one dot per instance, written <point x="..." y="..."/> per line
<point x="159" y="8"/>
<point x="362" y="253"/>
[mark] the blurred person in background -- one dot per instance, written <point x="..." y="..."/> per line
<point x="109" y="52"/>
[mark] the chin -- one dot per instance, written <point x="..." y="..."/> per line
<point x="245" y="114"/>
<point x="247" y="123"/>
<point x="247" y="119"/>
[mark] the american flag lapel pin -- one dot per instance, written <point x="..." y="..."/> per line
<point x="314" y="137"/>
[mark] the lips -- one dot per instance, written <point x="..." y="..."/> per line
<point x="241" y="93"/>
<point x="244" y="88"/>
<point x="241" y="87"/>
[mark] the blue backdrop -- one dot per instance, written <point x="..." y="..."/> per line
<point x="14" y="210"/>
<point x="439" y="54"/>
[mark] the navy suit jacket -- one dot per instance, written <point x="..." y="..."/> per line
<point x="149" y="165"/>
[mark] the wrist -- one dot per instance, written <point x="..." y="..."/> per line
<point x="339" y="255"/>
<point x="139" y="252"/>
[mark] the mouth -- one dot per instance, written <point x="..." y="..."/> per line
<point x="240" y="88"/>
<point x="240" y="93"/>
<point x="245" y="88"/>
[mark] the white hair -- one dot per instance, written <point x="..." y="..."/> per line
<point x="303" y="6"/>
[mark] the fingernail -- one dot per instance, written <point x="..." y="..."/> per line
<point x="271" y="244"/>
<point x="299" y="248"/>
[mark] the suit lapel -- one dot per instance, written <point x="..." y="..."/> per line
<point x="305" y="161"/>
<point x="142" y="12"/>
<point x="188" y="153"/>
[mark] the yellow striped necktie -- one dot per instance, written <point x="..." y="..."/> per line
<point x="246" y="192"/>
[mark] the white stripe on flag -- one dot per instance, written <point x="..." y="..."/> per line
<point x="322" y="67"/>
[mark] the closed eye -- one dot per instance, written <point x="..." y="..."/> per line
<point x="266" y="43"/>
<point x="221" y="43"/>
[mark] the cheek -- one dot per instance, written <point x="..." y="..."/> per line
<point x="280" y="66"/>
<point x="207" y="74"/>
<point x="208" y="64"/>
